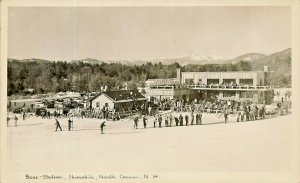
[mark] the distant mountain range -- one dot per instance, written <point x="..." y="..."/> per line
<point x="184" y="60"/>
<point x="29" y="60"/>
<point x="247" y="57"/>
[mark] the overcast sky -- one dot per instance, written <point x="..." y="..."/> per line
<point x="62" y="33"/>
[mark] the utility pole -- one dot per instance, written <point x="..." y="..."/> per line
<point x="87" y="83"/>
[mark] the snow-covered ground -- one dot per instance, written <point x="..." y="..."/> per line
<point x="262" y="145"/>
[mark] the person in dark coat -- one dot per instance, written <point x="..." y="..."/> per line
<point x="136" y="120"/>
<point x="9" y="106"/>
<point x="24" y="115"/>
<point x="166" y="121"/>
<point x="186" y="120"/>
<point x="48" y="113"/>
<point x="159" y="121"/>
<point x="8" y="121"/>
<point x="192" y="118"/>
<point x="226" y="116"/>
<point x="70" y="124"/>
<point x="82" y="114"/>
<point x="249" y="109"/>
<point x="238" y="116"/>
<point x="102" y="126"/>
<point x="242" y="115"/>
<point x="247" y="113"/>
<point x="16" y="120"/>
<point x="42" y="114"/>
<point x="58" y="114"/>
<point x="171" y="120"/>
<point x="145" y="121"/>
<point x="200" y="118"/>
<point x="181" y="120"/>
<point x="263" y="111"/>
<point x="57" y="125"/>
<point x="176" y="121"/>
<point x="256" y="112"/>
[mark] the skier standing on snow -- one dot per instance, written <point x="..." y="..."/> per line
<point x="145" y="121"/>
<point x="171" y="120"/>
<point x="136" y="120"/>
<point x="102" y="126"/>
<point x="181" y="120"/>
<point x="16" y="120"/>
<point x="70" y="124"/>
<point x="159" y="121"/>
<point x="57" y="125"/>
<point x="186" y="120"/>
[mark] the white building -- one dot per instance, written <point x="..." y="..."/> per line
<point x="122" y="100"/>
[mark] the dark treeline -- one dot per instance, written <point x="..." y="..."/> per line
<point x="46" y="76"/>
<point x="59" y="76"/>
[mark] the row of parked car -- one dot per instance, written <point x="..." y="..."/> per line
<point x="66" y="103"/>
<point x="44" y="104"/>
<point x="60" y="102"/>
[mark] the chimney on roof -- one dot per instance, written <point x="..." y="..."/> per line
<point x="266" y="75"/>
<point x="266" y="68"/>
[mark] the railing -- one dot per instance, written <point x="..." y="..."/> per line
<point x="167" y="87"/>
<point x="248" y="87"/>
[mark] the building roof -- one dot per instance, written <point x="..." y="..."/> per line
<point x="222" y="72"/>
<point x="122" y="95"/>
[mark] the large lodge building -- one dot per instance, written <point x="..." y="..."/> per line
<point x="242" y="85"/>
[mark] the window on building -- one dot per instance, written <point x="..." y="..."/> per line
<point x="246" y="94"/>
<point x="98" y="104"/>
<point x="246" y="82"/>
<point x="212" y="81"/>
<point x="242" y="94"/>
<point x="229" y="94"/>
<point x="249" y="94"/>
<point x="212" y="94"/>
<point x="189" y="81"/>
<point x="229" y="81"/>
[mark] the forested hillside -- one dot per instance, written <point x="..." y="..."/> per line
<point x="54" y="76"/>
<point x="61" y="76"/>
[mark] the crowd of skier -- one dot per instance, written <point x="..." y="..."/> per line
<point x="179" y="114"/>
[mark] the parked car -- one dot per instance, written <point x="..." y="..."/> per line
<point x="80" y="105"/>
<point x="38" y="105"/>
<point x="61" y="94"/>
<point x="60" y="100"/>
<point x="51" y="104"/>
<point x="39" y="111"/>
<point x="76" y="99"/>
<point x="92" y="94"/>
<point x="71" y="105"/>
<point x="66" y="100"/>
<point x="44" y="101"/>
<point x="58" y="105"/>
<point x="152" y="104"/>
<point x="18" y="110"/>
